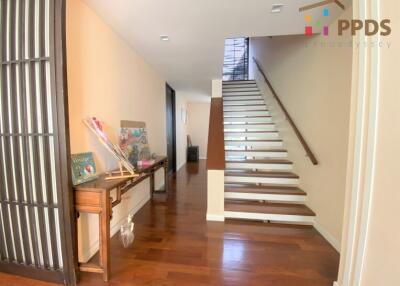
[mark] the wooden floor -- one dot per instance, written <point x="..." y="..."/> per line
<point x="174" y="245"/>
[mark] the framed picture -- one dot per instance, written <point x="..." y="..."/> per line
<point x="133" y="141"/>
<point x="83" y="168"/>
<point x="184" y="115"/>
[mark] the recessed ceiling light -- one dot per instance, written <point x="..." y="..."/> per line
<point x="276" y="8"/>
<point x="164" y="38"/>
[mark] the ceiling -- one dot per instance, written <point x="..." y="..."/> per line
<point x="197" y="28"/>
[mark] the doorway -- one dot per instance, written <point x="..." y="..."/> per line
<point x="171" y="128"/>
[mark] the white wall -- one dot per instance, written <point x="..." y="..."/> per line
<point x="381" y="263"/>
<point x="314" y="84"/>
<point x="107" y="79"/>
<point x="181" y="130"/>
<point x="199" y="117"/>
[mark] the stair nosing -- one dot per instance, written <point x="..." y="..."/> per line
<point x="229" y="203"/>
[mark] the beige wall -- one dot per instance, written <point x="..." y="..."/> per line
<point x="383" y="238"/>
<point x="199" y="117"/>
<point x="181" y="130"/>
<point x="314" y="83"/>
<point x="107" y="79"/>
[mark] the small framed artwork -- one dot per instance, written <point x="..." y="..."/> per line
<point x="83" y="168"/>
<point x="184" y="115"/>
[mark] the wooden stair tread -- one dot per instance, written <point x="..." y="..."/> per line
<point x="250" y="104"/>
<point x="258" y="150"/>
<point x="245" y="117"/>
<point x="250" y="124"/>
<point x="228" y="82"/>
<point x="255" y="140"/>
<point x="260" y="161"/>
<point x="263" y="189"/>
<point x="225" y="100"/>
<point x="268" y="208"/>
<point x="230" y="96"/>
<point x="246" y="110"/>
<point x="269" y="174"/>
<point x="251" y="132"/>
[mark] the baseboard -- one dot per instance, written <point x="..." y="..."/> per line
<point x="329" y="237"/>
<point x="212" y="217"/>
<point x="335" y="283"/>
<point x="161" y="188"/>
<point x="94" y="247"/>
<point x="180" y="166"/>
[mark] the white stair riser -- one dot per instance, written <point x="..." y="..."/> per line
<point x="265" y="154"/>
<point x="260" y="135"/>
<point x="257" y="154"/>
<point x="246" y="97"/>
<point x="245" y="113"/>
<point x="240" y="86"/>
<point x="261" y="180"/>
<point x="244" y="89"/>
<point x="260" y="166"/>
<point x="250" y="128"/>
<point x="270" y="217"/>
<point x="254" y="144"/>
<point x="248" y="107"/>
<point x="242" y="102"/>
<point x="228" y="120"/>
<point x="265" y="197"/>
<point x="240" y="93"/>
<point x="238" y="81"/>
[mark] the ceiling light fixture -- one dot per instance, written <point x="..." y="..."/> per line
<point x="276" y="8"/>
<point x="164" y="38"/>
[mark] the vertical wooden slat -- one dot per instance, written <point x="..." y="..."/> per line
<point x="3" y="16"/>
<point x="62" y="148"/>
<point x="50" y="225"/>
<point x="36" y="168"/>
<point x="20" y="183"/>
<point x="3" y="246"/>
<point x="12" y="166"/>
<point x="5" y="177"/>
<point x="10" y="228"/>
<point x="29" y="171"/>
<point x="30" y="146"/>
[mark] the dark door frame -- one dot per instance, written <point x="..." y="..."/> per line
<point x="172" y="91"/>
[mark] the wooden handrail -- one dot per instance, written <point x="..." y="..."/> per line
<point x="303" y="142"/>
<point x="216" y="144"/>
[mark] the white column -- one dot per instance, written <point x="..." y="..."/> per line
<point x="215" y="195"/>
<point x="216" y="88"/>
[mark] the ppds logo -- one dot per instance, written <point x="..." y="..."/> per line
<point x="370" y="26"/>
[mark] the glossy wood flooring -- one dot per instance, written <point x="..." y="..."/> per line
<point x="174" y="245"/>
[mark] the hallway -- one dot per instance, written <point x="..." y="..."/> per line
<point x="174" y="245"/>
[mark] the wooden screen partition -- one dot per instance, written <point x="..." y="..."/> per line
<point x="36" y="235"/>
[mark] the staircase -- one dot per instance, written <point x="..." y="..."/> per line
<point x="259" y="182"/>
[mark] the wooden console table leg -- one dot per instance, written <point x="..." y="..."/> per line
<point x="105" y="261"/>
<point x="152" y="183"/>
<point x="166" y="177"/>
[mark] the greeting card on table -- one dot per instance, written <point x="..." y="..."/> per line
<point x="83" y="168"/>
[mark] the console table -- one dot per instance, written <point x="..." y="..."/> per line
<point x="94" y="197"/>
